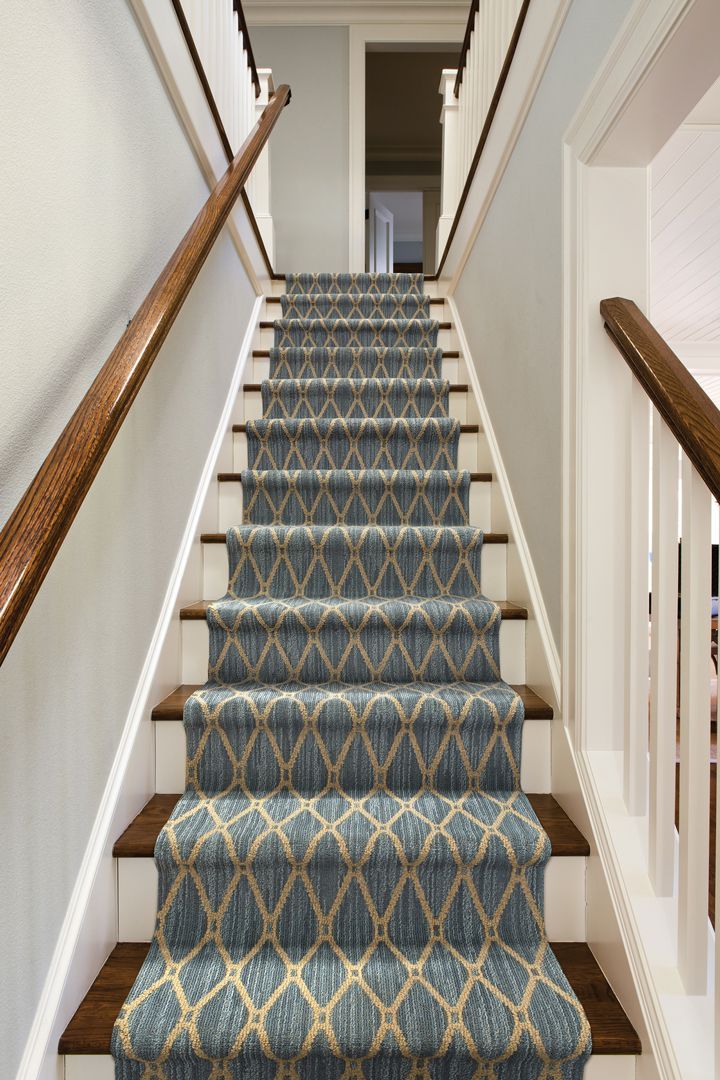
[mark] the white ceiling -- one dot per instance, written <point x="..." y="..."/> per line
<point x="685" y="236"/>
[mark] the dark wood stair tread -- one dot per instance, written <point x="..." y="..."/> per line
<point x="266" y="325"/>
<point x="196" y="612"/>
<point x="256" y="387"/>
<point x="465" y="429"/>
<point x="278" y="299"/>
<point x="236" y="477"/>
<point x="220" y="538"/>
<point x="171" y="707"/>
<point x="90" y="1030"/>
<point x="259" y="354"/>
<point x="138" y="840"/>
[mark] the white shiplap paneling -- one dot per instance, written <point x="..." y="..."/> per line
<point x="685" y="231"/>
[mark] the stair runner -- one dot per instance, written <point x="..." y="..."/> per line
<point x="351" y="887"/>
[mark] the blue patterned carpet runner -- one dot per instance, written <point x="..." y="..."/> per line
<point x="351" y="886"/>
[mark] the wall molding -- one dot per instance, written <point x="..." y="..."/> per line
<point x="87" y="934"/>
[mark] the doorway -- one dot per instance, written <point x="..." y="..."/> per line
<point x="403" y="153"/>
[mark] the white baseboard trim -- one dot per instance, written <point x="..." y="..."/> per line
<point x="538" y="610"/>
<point x="81" y="950"/>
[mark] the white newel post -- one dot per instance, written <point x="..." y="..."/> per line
<point x="450" y="178"/>
<point x="261" y="172"/>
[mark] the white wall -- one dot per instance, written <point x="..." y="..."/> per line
<point x="510" y="294"/>
<point x="309" y="152"/>
<point x="99" y="184"/>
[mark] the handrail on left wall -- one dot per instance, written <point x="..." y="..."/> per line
<point x="34" y="532"/>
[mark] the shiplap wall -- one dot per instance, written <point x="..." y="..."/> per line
<point x="685" y="234"/>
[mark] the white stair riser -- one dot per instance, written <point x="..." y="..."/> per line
<point x="230" y="502"/>
<point x="494" y="575"/>
<point x="535" y="765"/>
<point x="447" y="339"/>
<point x="602" y="1067"/>
<point x="467" y="452"/>
<point x="195" y="651"/>
<point x="253" y="405"/>
<point x="564" y="899"/>
<point x="452" y="369"/>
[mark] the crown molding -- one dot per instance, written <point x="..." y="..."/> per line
<point x="346" y="12"/>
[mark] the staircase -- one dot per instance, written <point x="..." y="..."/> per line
<point x="353" y="780"/>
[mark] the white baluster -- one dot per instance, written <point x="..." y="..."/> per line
<point x="237" y="71"/>
<point x="695" y="590"/>
<point x="243" y="91"/>
<point x="475" y="49"/>
<point x="663" y="666"/>
<point x="450" y="173"/>
<point x="636" y="682"/>
<point x="484" y="44"/>
<point x="261" y="173"/>
<point x="465" y="99"/>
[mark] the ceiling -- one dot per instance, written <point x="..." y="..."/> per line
<point x="402" y="111"/>
<point x="685" y="236"/>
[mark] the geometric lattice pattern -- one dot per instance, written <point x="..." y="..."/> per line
<point x="427" y="443"/>
<point x="354" y="284"/>
<point x="355" y="306"/>
<point x="354" y="398"/>
<point x="356" y="497"/>
<point x="356" y="333"/>
<point x="388" y="362"/>
<point x="351" y="887"/>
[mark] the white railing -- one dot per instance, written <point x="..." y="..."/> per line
<point x="468" y="94"/>
<point x="672" y="483"/>
<point x="240" y="91"/>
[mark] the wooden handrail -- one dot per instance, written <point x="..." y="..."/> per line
<point x="40" y="522"/>
<point x="474" y="8"/>
<point x="247" y="46"/>
<point x="502" y="79"/>
<point x="683" y="404"/>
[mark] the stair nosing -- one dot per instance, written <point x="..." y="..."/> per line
<point x="454" y="388"/>
<point x="90" y="1029"/>
<point x="220" y="538"/>
<point x="139" y="838"/>
<point x="266" y="324"/>
<point x="228" y="477"/>
<point x="450" y="354"/>
<point x="197" y="612"/>
<point x="170" y="709"/>
<point x="465" y="429"/>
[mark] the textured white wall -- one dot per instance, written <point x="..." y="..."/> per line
<point x="309" y="152"/>
<point x="510" y="294"/>
<point x="99" y="184"/>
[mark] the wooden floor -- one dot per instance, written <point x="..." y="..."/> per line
<point x="90" y="1030"/>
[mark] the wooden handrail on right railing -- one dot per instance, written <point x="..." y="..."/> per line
<point x="40" y="522"/>
<point x="683" y="404"/>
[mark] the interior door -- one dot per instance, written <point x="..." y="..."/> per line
<point x="380" y="237"/>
